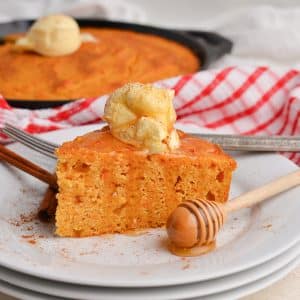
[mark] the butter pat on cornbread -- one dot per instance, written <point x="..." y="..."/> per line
<point x="143" y="115"/>
<point x="115" y="180"/>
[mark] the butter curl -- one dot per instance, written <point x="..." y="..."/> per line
<point x="143" y="115"/>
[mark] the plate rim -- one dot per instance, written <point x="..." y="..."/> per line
<point x="242" y="291"/>
<point x="289" y="255"/>
<point x="263" y="283"/>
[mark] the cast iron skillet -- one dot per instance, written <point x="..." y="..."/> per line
<point x="208" y="46"/>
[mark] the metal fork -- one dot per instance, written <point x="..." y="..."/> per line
<point x="33" y="142"/>
<point x="226" y="141"/>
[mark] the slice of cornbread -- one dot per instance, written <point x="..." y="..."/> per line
<point x="108" y="186"/>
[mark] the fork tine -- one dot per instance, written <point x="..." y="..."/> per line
<point x="29" y="144"/>
<point x="36" y="143"/>
<point x="32" y="140"/>
<point x="22" y="133"/>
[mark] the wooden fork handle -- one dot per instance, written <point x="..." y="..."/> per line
<point x="27" y="166"/>
<point x="264" y="192"/>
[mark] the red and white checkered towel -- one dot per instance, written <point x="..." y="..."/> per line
<point x="234" y="100"/>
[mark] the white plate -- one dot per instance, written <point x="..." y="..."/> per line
<point x="236" y="293"/>
<point x="250" y="237"/>
<point x="20" y="293"/>
<point x="255" y="286"/>
<point x="204" y="288"/>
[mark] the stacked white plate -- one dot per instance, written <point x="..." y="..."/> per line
<point x="256" y="247"/>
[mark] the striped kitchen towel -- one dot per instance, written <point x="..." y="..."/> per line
<point x="236" y="100"/>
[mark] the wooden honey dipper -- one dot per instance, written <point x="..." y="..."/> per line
<point x="196" y="223"/>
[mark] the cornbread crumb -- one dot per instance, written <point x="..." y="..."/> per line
<point x="186" y="266"/>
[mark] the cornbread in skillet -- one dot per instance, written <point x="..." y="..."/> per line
<point x="96" y="68"/>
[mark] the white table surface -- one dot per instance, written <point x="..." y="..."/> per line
<point x="163" y="13"/>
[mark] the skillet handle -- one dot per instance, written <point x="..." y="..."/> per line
<point x="217" y="45"/>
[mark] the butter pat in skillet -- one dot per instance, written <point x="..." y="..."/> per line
<point x="54" y="35"/>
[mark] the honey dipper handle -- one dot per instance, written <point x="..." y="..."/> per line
<point x="264" y="192"/>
